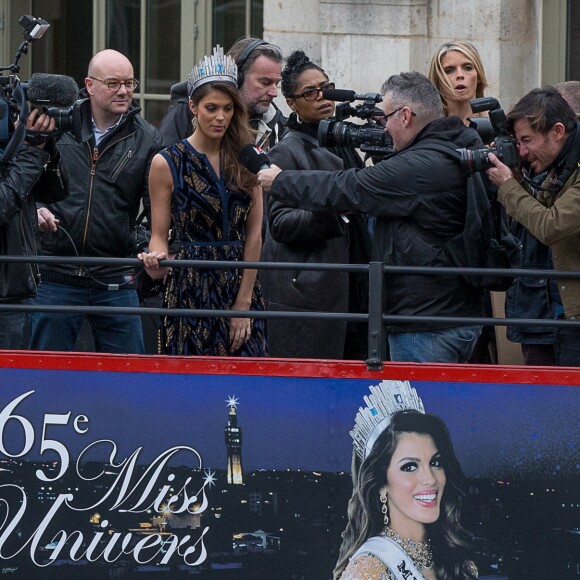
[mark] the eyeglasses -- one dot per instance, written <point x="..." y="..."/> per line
<point x="312" y="94"/>
<point x="114" y="85"/>
<point x="382" y="121"/>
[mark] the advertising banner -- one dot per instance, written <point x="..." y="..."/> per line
<point x="148" y="467"/>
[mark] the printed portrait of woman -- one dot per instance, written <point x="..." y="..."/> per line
<point x="404" y="516"/>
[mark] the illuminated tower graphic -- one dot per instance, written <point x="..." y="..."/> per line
<point x="234" y="444"/>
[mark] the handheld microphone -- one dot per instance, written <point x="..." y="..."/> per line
<point x="253" y="158"/>
<point x="46" y="90"/>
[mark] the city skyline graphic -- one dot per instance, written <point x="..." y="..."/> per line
<point x="233" y="436"/>
<point x="276" y="498"/>
<point x="497" y="430"/>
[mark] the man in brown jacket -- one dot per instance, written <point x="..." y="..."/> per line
<point x="548" y="136"/>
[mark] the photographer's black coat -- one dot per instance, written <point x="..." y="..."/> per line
<point x="417" y="195"/>
<point x="23" y="182"/>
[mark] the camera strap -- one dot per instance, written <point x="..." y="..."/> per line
<point x="39" y="137"/>
<point x="571" y="164"/>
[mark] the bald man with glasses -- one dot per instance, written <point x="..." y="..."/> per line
<point x="106" y="175"/>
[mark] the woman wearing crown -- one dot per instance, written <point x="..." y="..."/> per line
<point x="198" y="187"/>
<point x="404" y="514"/>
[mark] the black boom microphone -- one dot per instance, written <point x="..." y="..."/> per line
<point x="344" y="95"/>
<point x="253" y="158"/>
<point x="46" y="90"/>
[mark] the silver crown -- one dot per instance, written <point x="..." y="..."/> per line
<point x="385" y="400"/>
<point x="218" y="67"/>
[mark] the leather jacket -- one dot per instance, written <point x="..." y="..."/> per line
<point x="28" y="178"/>
<point x="107" y="185"/>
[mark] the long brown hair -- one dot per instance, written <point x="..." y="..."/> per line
<point x="236" y="136"/>
<point x="365" y="519"/>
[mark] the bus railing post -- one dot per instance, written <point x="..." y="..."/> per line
<point x="377" y="347"/>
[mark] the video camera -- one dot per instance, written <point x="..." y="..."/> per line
<point x="369" y="138"/>
<point x="55" y="95"/>
<point x="473" y="160"/>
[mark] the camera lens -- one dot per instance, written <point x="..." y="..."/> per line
<point x="63" y="118"/>
<point x="473" y="160"/>
<point x="333" y="133"/>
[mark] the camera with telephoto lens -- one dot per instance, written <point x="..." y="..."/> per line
<point x="368" y="137"/>
<point x="75" y="119"/>
<point x="505" y="149"/>
<point x="55" y="95"/>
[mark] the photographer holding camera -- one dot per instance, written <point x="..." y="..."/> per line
<point x="548" y="136"/>
<point x="418" y="196"/>
<point x="25" y="179"/>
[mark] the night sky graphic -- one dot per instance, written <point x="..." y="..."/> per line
<point x="507" y="430"/>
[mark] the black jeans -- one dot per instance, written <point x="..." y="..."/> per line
<point x="567" y="347"/>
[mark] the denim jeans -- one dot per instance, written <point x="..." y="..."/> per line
<point x="59" y="331"/>
<point x="12" y="330"/>
<point x="450" y="345"/>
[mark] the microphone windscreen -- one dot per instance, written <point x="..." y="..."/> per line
<point x="253" y="158"/>
<point x="52" y="90"/>
<point x="338" y="95"/>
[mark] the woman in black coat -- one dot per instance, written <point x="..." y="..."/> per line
<point x="296" y="235"/>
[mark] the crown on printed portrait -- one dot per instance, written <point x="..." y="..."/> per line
<point x="385" y="400"/>
<point x="217" y="67"/>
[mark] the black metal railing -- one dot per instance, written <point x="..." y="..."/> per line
<point x="375" y="317"/>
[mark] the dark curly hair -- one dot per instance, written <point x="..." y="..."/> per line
<point x="449" y="539"/>
<point x="296" y="64"/>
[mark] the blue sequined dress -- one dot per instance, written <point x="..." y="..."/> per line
<point x="209" y="221"/>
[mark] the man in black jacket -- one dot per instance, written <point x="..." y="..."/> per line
<point x="259" y="73"/>
<point x="418" y="196"/>
<point x="19" y="191"/>
<point x="107" y="178"/>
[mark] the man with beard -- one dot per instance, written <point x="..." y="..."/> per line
<point x="259" y="73"/>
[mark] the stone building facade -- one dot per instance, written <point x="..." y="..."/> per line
<point x="523" y="43"/>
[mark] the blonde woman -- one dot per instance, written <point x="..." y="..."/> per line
<point x="457" y="72"/>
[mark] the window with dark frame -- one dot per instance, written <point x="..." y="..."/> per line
<point x="573" y="64"/>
